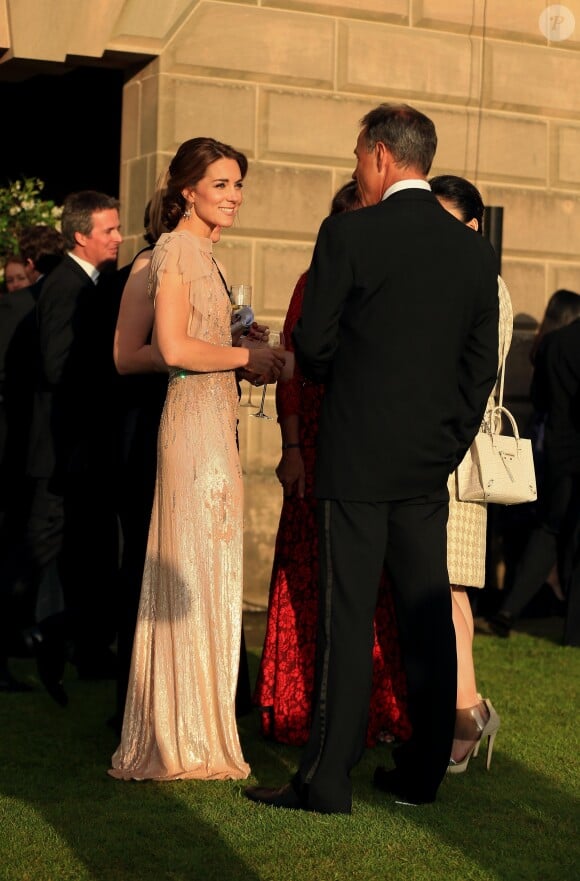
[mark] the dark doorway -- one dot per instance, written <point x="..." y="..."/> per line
<point x="65" y="130"/>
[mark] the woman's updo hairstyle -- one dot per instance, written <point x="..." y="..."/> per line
<point x="189" y="166"/>
<point x="462" y="194"/>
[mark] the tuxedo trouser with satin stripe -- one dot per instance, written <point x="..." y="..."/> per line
<point x="356" y="540"/>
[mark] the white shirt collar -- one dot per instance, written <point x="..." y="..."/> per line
<point x="90" y="270"/>
<point x="413" y="184"/>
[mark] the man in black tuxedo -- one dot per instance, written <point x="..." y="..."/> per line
<point x="71" y="450"/>
<point x="400" y="321"/>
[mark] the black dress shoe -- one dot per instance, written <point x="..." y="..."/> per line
<point x="57" y="693"/>
<point x="390" y="781"/>
<point x="50" y="663"/>
<point x="284" y="797"/>
<point x="501" y="624"/>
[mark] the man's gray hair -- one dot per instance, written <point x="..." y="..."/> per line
<point x="408" y="134"/>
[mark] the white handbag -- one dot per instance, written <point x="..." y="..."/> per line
<point x="498" y="468"/>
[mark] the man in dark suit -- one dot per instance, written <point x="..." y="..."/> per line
<point x="555" y="391"/>
<point x="42" y="249"/>
<point x="71" y="449"/>
<point x="400" y="321"/>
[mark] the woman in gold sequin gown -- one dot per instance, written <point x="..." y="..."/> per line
<point x="179" y="719"/>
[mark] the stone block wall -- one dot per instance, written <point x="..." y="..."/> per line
<point x="287" y="82"/>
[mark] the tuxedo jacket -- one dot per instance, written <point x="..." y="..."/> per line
<point x="70" y="432"/>
<point x="400" y="321"/>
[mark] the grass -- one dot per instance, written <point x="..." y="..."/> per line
<point x="62" y="818"/>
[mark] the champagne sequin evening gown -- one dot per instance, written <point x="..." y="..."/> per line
<point x="179" y="717"/>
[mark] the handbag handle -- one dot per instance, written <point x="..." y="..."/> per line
<point x="502" y="378"/>
<point x="499" y="410"/>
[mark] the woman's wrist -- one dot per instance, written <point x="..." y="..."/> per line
<point x="290" y="446"/>
<point x="244" y="356"/>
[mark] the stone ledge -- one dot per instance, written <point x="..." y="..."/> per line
<point x="449" y="68"/>
<point x="396" y="11"/>
<point x="255" y="44"/>
<point x="532" y="80"/>
<point x="513" y="22"/>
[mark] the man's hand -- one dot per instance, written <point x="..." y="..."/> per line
<point x="290" y="472"/>
<point x="264" y="361"/>
<point x="258" y="332"/>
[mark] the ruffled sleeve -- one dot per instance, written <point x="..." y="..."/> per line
<point x="182" y="255"/>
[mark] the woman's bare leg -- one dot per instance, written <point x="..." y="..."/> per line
<point x="463" y="622"/>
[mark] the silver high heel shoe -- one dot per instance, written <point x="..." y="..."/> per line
<point x="481" y="721"/>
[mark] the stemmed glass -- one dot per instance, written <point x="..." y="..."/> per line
<point x="241" y="295"/>
<point x="275" y="341"/>
<point x="248" y="402"/>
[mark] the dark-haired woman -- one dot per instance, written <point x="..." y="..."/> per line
<point x="179" y="719"/>
<point x="466" y="528"/>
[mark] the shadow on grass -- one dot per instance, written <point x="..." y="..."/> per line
<point x="65" y="818"/>
<point x="517" y="821"/>
<point x="511" y="823"/>
<point x="62" y="818"/>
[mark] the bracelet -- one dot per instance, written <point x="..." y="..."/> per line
<point x="289" y="446"/>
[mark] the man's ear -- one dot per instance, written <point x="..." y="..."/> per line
<point x="473" y="223"/>
<point x="80" y="239"/>
<point x="382" y="154"/>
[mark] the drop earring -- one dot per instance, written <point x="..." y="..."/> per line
<point x="187" y="212"/>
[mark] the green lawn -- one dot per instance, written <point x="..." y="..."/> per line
<point x="63" y="819"/>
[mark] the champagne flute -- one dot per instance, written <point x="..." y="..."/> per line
<point x="240" y="295"/>
<point x="248" y="402"/>
<point x="275" y="341"/>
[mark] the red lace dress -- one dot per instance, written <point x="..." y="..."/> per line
<point x="286" y="675"/>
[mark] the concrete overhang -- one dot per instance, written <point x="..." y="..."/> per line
<point x="55" y="36"/>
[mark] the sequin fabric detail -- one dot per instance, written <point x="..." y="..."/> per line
<point x="179" y="718"/>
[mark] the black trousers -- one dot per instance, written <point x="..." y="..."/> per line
<point x="356" y="539"/>
<point x="549" y="542"/>
<point x="74" y="532"/>
<point x="88" y="568"/>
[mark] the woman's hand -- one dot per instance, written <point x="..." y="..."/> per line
<point x="264" y="361"/>
<point x="290" y="472"/>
